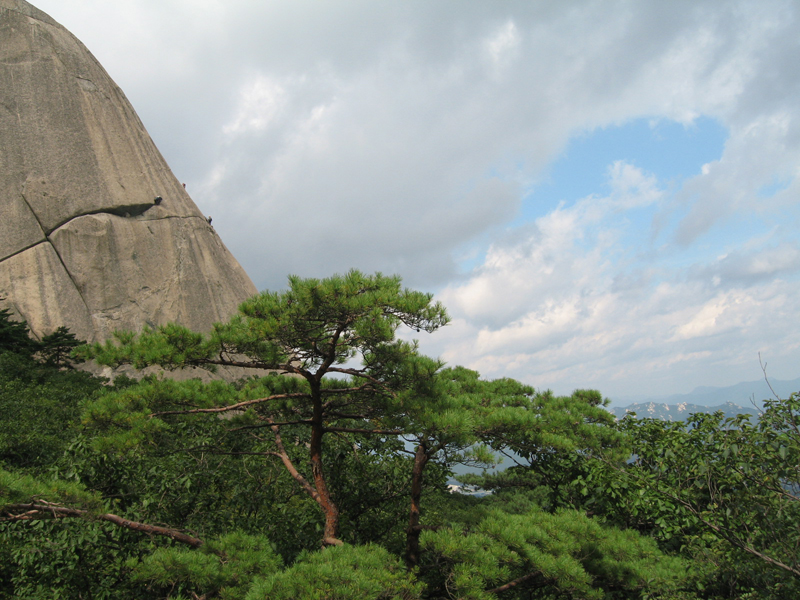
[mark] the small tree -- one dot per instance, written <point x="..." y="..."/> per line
<point x="14" y="335"/>
<point x="38" y="399"/>
<point x="55" y="349"/>
<point x="316" y="331"/>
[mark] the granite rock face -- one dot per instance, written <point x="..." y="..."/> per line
<point x="96" y="233"/>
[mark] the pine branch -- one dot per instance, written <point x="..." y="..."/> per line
<point x="42" y="509"/>
<point x="365" y="431"/>
<point x="513" y="583"/>
<point x="237" y="406"/>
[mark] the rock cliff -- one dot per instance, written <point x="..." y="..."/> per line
<point x="96" y="233"/>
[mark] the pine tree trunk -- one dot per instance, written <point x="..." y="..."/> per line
<point x="421" y="457"/>
<point x="329" y="508"/>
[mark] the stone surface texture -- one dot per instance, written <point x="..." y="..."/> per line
<point x="83" y="242"/>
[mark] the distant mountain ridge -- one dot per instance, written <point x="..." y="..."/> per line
<point x="741" y="398"/>
<point x="740" y="394"/>
<point x="679" y="412"/>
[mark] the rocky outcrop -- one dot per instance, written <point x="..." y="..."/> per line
<point x="96" y="233"/>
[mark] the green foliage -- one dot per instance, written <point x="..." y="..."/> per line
<point x="348" y="315"/>
<point x="171" y="346"/>
<point x="564" y="424"/>
<point x="43" y="556"/>
<point x="224" y="568"/>
<point x="191" y="469"/>
<point x="21" y="488"/>
<point x="560" y="553"/>
<point x="348" y="445"/>
<point x="340" y="573"/>
<point x="39" y="400"/>
<point x="37" y="420"/>
<point x="312" y="326"/>
<point x="371" y="486"/>
<point x="313" y="330"/>
<point x="55" y="348"/>
<point x="726" y="490"/>
<point x="128" y="418"/>
<point x="14" y="336"/>
<point x="558" y="446"/>
<point x="69" y="559"/>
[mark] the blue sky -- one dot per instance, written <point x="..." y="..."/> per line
<point x="603" y="194"/>
<point x="669" y="150"/>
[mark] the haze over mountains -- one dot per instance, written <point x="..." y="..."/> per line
<point x="742" y="398"/>
<point x="740" y="394"/>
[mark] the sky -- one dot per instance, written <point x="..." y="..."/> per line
<point x="604" y="194"/>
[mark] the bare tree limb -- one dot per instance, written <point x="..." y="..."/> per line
<point x="365" y="431"/>
<point x="237" y="406"/>
<point x="40" y="509"/>
<point x="287" y="462"/>
<point x="263" y="425"/>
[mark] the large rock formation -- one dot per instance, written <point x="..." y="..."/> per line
<point x="84" y="242"/>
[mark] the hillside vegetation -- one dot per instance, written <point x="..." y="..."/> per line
<point x="327" y="477"/>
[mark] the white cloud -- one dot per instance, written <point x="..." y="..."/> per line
<point x="568" y="299"/>
<point x="260" y="103"/>
<point x="761" y="150"/>
<point x="502" y="47"/>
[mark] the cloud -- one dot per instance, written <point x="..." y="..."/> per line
<point x="402" y="137"/>
<point x="571" y="299"/>
<point x="743" y="267"/>
<point x="763" y="150"/>
<point x="626" y="342"/>
<point x="502" y="47"/>
<point x="563" y="254"/>
<point x="260" y="104"/>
